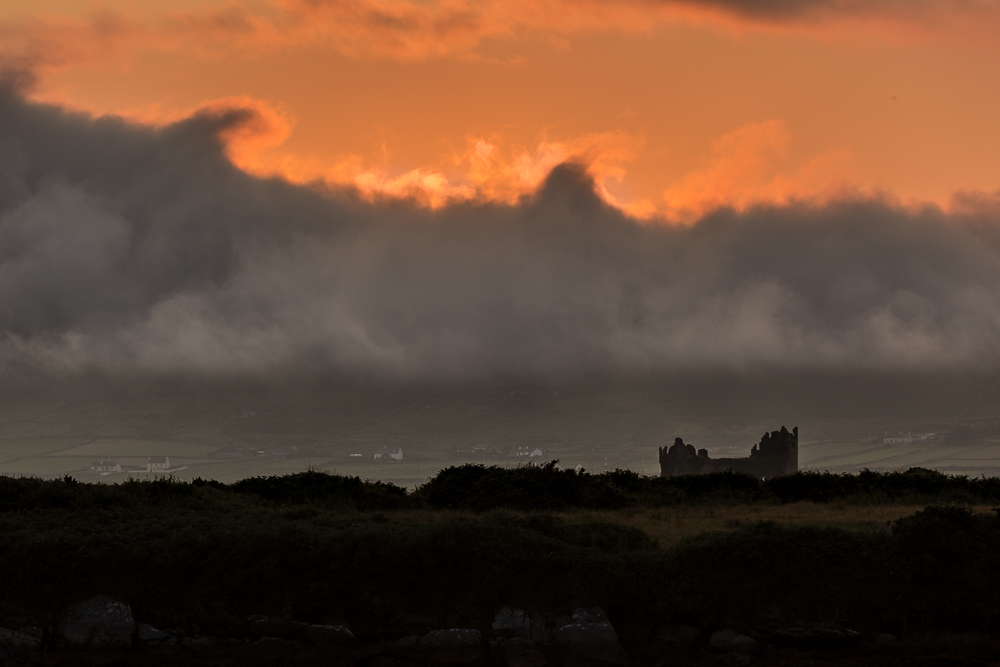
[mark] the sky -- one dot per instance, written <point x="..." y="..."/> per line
<point x="453" y="189"/>
<point x="677" y="107"/>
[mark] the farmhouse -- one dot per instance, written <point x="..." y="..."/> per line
<point x="394" y="453"/>
<point x="899" y="438"/>
<point x="106" y="466"/>
<point x="157" y="463"/>
<point x="526" y="451"/>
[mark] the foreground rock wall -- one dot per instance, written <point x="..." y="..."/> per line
<point x="516" y="638"/>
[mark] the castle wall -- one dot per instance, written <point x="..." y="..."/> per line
<point x="777" y="453"/>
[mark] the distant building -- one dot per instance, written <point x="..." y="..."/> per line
<point x="777" y="453"/>
<point x="485" y="449"/>
<point x="106" y="466"/>
<point x="530" y="452"/>
<point x="900" y="438"/>
<point x="157" y="463"/>
<point x="394" y="453"/>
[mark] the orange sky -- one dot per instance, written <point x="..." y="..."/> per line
<point x="677" y="106"/>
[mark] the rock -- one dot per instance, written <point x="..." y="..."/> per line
<point x="582" y="644"/>
<point x="28" y="638"/>
<point x="733" y="659"/>
<point x="331" y="634"/>
<point x="589" y="615"/>
<point x="404" y="648"/>
<point x="262" y="626"/>
<point x="219" y="651"/>
<point x="727" y="641"/>
<point x="268" y="649"/>
<point x="520" y="623"/>
<point x="454" y="637"/>
<point x="814" y="638"/>
<point x="99" y="621"/>
<point x="452" y="646"/>
<point x="521" y="652"/>
<point x="147" y="633"/>
<point x="647" y="652"/>
<point x="370" y="651"/>
<point x="678" y="634"/>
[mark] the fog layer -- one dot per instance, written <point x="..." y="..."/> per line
<point x="132" y="248"/>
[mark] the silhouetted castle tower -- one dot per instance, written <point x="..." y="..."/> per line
<point x="777" y="453"/>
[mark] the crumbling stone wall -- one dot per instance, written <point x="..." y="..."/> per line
<point x="777" y="453"/>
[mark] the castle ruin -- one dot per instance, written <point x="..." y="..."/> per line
<point x="777" y="453"/>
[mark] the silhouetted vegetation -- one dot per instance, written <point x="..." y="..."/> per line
<point x="204" y="553"/>
<point x="479" y="488"/>
<point x="321" y="546"/>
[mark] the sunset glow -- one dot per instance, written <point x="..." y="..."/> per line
<point x="675" y="108"/>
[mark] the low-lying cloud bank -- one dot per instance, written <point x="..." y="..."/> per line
<point x="130" y="248"/>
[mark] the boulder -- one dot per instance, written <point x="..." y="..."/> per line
<point x="519" y="623"/>
<point x="589" y="615"/>
<point x="262" y="626"/>
<point x="147" y="633"/>
<point x="678" y="634"/>
<point x="521" y="652"/>
<point x="585" y="644"/>
<point x="267" y="650"/>
<point x="728" y="659"/>
<point x="727" y="641"/>
<point x="28" y="638"/>
<point x="99" y="621"/>
<point x="452" y="646"/>
<point x="331" y="634"/>
<point x="449" y="638"/>
<point x="815" y="638"/>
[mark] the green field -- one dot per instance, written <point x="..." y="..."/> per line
<point x="231" y="429"/>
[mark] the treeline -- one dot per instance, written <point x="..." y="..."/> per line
<point x="479" y="488"/>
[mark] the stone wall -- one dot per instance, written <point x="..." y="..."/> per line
<point x="777" y="453"/>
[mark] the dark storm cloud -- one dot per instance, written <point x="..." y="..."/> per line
<point x="134" y="248"/>
<point x="780" y="11"/>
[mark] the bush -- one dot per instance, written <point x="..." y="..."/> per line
<point x="544" y="487"/>
<point x="317" y="488"/>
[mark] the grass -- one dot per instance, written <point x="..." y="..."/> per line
<point x="671" y="526"/>
<point x="330" y="548"/>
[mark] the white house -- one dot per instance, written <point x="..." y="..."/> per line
<point x="526" y="451"/>
<point x="157" y="463"/>
<point x="106" y="466"/>
<point x="897" y="438"/>
<point x="394" y="453"/>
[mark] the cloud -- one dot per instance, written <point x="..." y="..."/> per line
<point x="411" y="30"/>
<point x="136" y="248"/>
<point x="743" y="173"/>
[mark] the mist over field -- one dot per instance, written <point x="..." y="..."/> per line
<point x="158" y="301"/>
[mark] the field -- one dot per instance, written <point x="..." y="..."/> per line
<point x="230" y="429"/>
<point x="708" y="551"/>
<point x="668" y="527"/>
